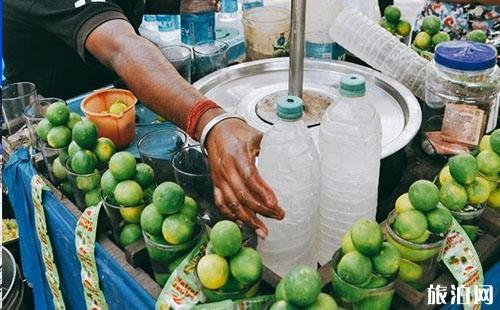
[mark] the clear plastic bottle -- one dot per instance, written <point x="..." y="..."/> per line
<point x="377" y="47"/>
<point x="350" y="147"/>
<point x="250" y="4"/>
<point x="197" y="21"/>
<point x="228" y="10"/>
<point x="289" y="162"/>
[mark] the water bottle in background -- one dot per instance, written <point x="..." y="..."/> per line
<point x="149" y="22"/>
<point x="289" y="162"/>
<point x="377" y="47"/>
<point x="228" y="10"/>
<point x="168" y="29"/>
<point x="350" y="147"/>
<point x="250" y="4"/>
<point x="197" y="21"/>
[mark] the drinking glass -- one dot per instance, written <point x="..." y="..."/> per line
<point x="209" y="57"/>
<point x="56" y="173"/>
<point x="180" y="57"/>
<point x="15" y="98"/>
<point x="34" y="113"/>
<point x="157" y="149"/>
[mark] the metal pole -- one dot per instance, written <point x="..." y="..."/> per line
<point x="298" y="25"/>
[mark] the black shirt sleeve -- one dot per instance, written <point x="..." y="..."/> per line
<point x="70" y="20"/>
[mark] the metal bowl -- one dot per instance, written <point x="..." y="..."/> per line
<point x="243" y="89"/>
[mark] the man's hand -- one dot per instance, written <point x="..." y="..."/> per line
<point x="239" y="191"/>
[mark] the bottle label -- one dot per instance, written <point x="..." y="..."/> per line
<point x="325" y="51"/>
<point x="168" y="23"/>
<point x="197" y="27"/>
<point x="149" y="18"/>
<point x="229" y="6"/>
<point x="247" y="5"/>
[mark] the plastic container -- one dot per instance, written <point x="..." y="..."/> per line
<point x="350" y="143"/>
<point x="426" y="256"/>
<point x="319" y="45"/>
<point x="228" y="10"/>
<point x="465" y="73"/>
<point x="50" y="154"/>
<point x="86" y="188"/>
<point x="267" y="32"/>
<point x="289" y="162"/>
<point x="197" y="21"/>
<point x="119" y="128"/>
<point x="377" y="47"/>
<point x="34" y="113"/>
<point x="219" y="295"/>
<point x="349" y="296"/>
<point x="250" y="4"/>
<point x="162" y="255"/>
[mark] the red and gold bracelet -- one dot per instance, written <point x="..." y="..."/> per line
<point x="195" y="114"/>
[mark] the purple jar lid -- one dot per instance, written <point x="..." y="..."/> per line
<point x="465" y="55"/>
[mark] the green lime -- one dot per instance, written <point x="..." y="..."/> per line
<point x="280" y="293"/>
<point x="440" y="37"/>
<point x="58" y="170"/>
<point x="108" y="183"/>
<point x="354" y="268"/>
<point x="422" y="239"/>
<point x="439" y="220"/>
<point x="463" y="168"/>
<point x="387" y="25"/>
<point x="323" y="302"/>
<point x="86" y="183"/>
<point x="392" y="13"/>
<point x="144" y="175"/>
<point x="151" y="220"/>
<point x="478" y="191"/>
<point x="190" y="208"/>
<point x="128" y="193"/>
<point x="386" y="262"/>
<point x="416" y="255"/>
<point x="42" y="129"/>
<point x="73" y="148"/>
<point x="73" y="119"/>
<point x="213" y="271"/>
<point x="246" y="266"/>
<point x="168" y="198"/>
<point x="148" y="193"/>
<point x="302" y="285"/>
<point x="403" y="204"/>
<point x="83" y="162"/>
<point x="226" y="238"/>
<point x="85" y="134"/>
<point x="122" y="165"/>
<point x="59" y="137"/>
<point x="367" y="236"/>
<point x="67" y="188"/>
<point x="453" y="196"/>
<point x="58" y="113"/>
<point x="92" y="198"/>
<point x="495" y="141"/>
<point x="132" y="214"/>
<point x="347" y="245"/>
<point x="445" y="175"/>
<point x="377" y="281"/>
<point x="130" y="233"/>
<point x="423" y="195"/>
<point x="177" y="229"/>
<point x="403" y="28"/>
<point x="423" y="40"/>
<point x="283" y="305"/>
<point x="488" y="162"/>
<point x="410" y="225"/>
<point x="477" y="36"/>
<point x="117" y="107"/>
<point x="104" y="149"/>
<point x="431" y="25"/>
<point x="409" y="271"/>
<point x="471" y="231"/>
<point x="485" y="143"/>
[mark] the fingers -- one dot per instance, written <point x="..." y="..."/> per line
<point x="219" y="202"/>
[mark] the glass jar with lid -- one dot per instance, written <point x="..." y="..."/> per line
<point x="463" y="89"/>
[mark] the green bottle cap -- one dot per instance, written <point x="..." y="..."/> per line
<point x="290" y="107"/>
<point x="352" y="85"/>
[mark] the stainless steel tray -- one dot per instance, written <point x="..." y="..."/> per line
<point x="241" y="88"/>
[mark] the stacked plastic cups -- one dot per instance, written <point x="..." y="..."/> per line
<point x="377" y="47"/>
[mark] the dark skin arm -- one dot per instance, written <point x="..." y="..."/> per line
<point x="232" y="145"/>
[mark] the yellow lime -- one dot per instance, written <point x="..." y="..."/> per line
<point x="213" y="271"/>
<point x="453" y="196"/>
<point x="58" y="170"/>
<point x="488" y="162"/>
<point x="59" y="137"/>
<point x="132" y="214"/>
<point x="478" y="191"/>
<point x="494" y="199"/>
<point x="347" y="245"/>
<point x="104" y="149"/>
<point x="323" y="302"/>
<point x="177" y="229"/>
<point x="403" y="28"/>
<point x="409" y="271"/>
<point x="445" y="175"/>
<point x="485" y="143"/>
<point x="423" y="40"/>
<point x="403" y="204"/>
<point x="117" y="107"/>
<point x="410" y="225"/>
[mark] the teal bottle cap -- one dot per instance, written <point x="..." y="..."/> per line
<point x="290" y="107"/>
<point x="352" y="85"/>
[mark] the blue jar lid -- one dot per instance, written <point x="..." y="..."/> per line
<point x="465" y="55"/>
<point x="290" y="107"/>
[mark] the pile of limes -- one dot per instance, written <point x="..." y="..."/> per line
<point x="430" y="35"/>
<point x="227" y="265"/>
<point x="393" y="23"/>
<point x="55" y="128"/>
<point x="301" y="289"/>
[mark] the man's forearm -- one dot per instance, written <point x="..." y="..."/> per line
<point x="162" y="7"/>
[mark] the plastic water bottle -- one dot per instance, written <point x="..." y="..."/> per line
<point x="350" y="147"/>
<point x="168" y="29"/>
<point x="197" y="21"/>
<point x="149" y="22"/>
<point x="377" y="47"/>
<point x="289" y="162"/>
<point x="228" y="10"/>
<point x="250" y="4"/>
